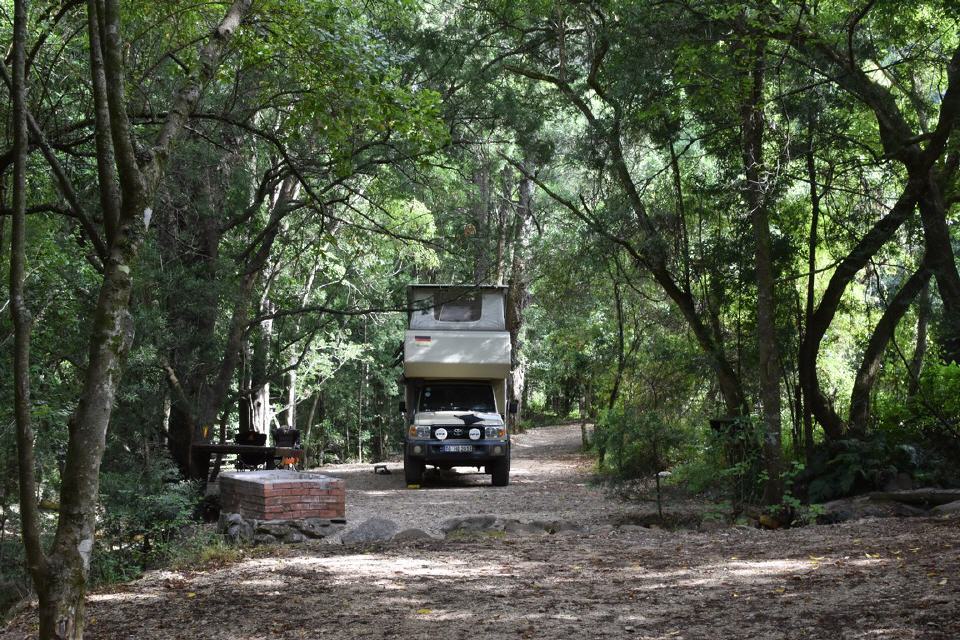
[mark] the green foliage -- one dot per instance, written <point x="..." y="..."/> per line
<point x="847" y="467"/>
<point x="927" y="424"/>
<point x="728" y="463"/>
<point x="634" y="443"/>
<point x="147" y="514"/>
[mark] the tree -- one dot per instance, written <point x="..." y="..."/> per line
<point x="60" y="573"/>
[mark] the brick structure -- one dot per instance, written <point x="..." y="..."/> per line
<point x="282" y="495"/>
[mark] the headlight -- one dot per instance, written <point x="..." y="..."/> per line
<point x="440" y="433"/>
<point x="492" y="433"/>
<point x="474" y="434"/>
<point x="420" y="433"/>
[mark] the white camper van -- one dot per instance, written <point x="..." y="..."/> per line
<point x="456" y="365"/>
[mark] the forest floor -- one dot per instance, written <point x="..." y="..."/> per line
<point x="595" y="577"/>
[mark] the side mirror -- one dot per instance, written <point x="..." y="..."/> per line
<point x="403" y="407"/>
<point x="513" y="407"/>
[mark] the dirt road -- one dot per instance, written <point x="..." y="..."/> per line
<point x="873" y="579"/>
<point x="549" y="482"/>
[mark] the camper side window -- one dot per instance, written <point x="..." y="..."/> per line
<point x="464" y="308"/>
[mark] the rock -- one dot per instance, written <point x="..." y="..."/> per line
<point x="902" y="482"/>
<point x="562" y="526"/>
<point x="227" y="520"/>
<point x="275" y="528"/>
<point x="865" y="507"/>
<point x="921" y="497"/>
<point x="946" y="509"/>
<point x="318" y="528"/>
<point x="294" y="537"/>
<point x="264" y="538"/>
<point x="469" y="524"/>
<point x="240" y="533"/>
<point x="545" y="525"/>
<point x="372" y="530"/>
<point x="411" y="535"/>
<point x="521" y="528"/>
<point x="236" y="529"/>
<point x="633" y="528"/>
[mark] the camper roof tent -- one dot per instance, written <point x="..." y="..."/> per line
<point x="457" y="307"/>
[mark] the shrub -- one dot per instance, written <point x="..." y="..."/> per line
<point x="634" y="443"/>
<point x="142" y="521"/>
<point x="925" y="428"/>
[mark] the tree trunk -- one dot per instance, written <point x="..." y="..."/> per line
<point x="481" y="215"/>
<point x="37" y="563"/>
<point x="503" y="215"/>
<point x="518" y="292"/>
<point x="291" y="408"/>
<point x="822" y="317"/>
<point x="212" y="401"/>
<point x="873" y="356"/>
<point x="61" y="580"/>
<point x="920" y="350"/>
<point x="805" y="381"/>
<point x="259" y="374"/>
<point x="652" y="257"/>
<point x="621" y="347"/>
<point x="756" y="199"/>
<point x="936" y="235"/>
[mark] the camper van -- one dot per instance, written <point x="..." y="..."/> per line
<point x="456" y="367"/>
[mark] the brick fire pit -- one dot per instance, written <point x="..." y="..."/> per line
<point x="282" y="495"/>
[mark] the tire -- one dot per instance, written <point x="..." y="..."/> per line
<point x="412" y="469"/>
<point x="500" y="471"/>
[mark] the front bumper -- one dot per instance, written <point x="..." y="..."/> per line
<point x="452" y="452"/>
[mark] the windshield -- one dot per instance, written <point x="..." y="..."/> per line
<point x="457" y="397"/>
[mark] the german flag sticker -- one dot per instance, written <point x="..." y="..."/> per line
<point x="422" y="339"/>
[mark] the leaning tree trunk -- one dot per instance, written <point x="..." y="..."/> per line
<point x="818" y="323"/>
<point x="882" y="334"/>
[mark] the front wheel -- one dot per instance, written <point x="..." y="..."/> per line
<point x="412" y="469"/>
<point x="500" y="471"/>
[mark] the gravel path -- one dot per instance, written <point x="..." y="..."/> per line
<point x="874" y="579"/>
<point x="549" y="481"/>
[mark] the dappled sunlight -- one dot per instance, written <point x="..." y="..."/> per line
<point x="735" y="571"/>
<point x="123" y="597"/>
<point x="364" y="567"/>
<point x="263" y="583"/>
<point x="761" y="568"/>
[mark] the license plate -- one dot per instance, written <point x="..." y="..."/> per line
<point x="457" y="448"/>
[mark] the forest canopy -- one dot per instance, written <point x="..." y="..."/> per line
<point x="722" y="225"/>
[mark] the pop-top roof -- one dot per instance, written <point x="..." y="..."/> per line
<point x="457" y="307"/>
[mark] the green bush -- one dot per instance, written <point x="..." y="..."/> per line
<point x="634" y="443"/>
<point x="143" y="518"/>
<point x="848" y="467"/>
<point x="925" y="428"/>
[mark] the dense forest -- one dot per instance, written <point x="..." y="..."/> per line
<point x="728" y="231"/>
